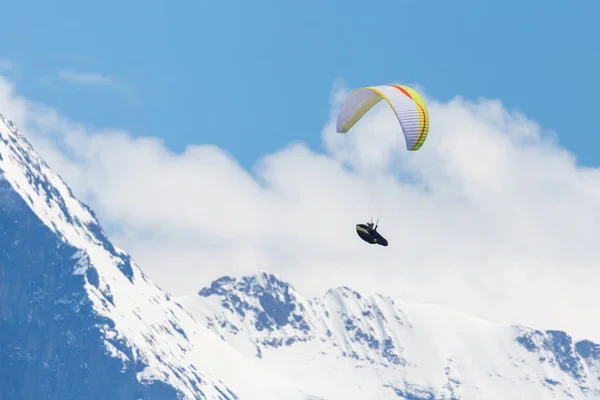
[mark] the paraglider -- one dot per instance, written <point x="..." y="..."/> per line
<point x="368" y="233"/>
<point x="413" y="118"/>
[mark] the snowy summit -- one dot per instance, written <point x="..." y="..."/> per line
<point x="344" y="345"/>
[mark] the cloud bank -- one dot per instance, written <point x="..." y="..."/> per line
<point x="491" y="216"/>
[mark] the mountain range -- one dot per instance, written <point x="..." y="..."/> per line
<point x="79" y="319"/>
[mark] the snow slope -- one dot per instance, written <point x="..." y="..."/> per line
<point x="347" y="346"/>
<point x="78" y="318"/>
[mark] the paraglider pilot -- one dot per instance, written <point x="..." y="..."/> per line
<point x="368" y="233"/>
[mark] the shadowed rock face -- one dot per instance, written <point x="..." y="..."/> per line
<point x="51" y="345"/>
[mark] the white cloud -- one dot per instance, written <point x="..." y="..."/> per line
<point x="84" y="78"/>
<point x="490" y="216"/>
<point x="127" y="91"/>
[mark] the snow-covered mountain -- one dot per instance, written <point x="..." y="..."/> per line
<point x="344" y="345"/>
<point x="78" y="318"/>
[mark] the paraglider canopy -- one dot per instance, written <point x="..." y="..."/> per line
<point x="409" y="107"/>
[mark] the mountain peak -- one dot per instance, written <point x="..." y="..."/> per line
<point x="344" y="291"/>
<point x="252" y="285"/>
<point x="263" y="299"/>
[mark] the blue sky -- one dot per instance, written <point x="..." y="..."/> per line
<point x="252" y="76"/>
